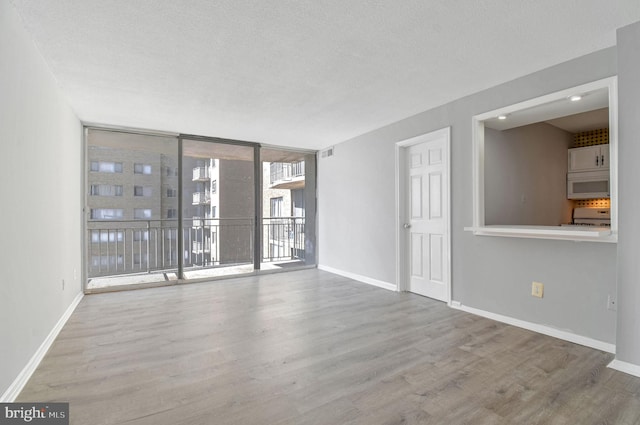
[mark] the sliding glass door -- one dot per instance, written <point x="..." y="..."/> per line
<point x="288" y="208"/>
<point x="218" y="208"/>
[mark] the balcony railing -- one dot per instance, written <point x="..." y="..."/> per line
<point x="201" y="221"/>
<point x="283" y="171"/>
<point x="200" y="198"/>
<point x="200" y="247"/>
<point x="283" y="238"/>
<point x="131" y="246"/>
<point x="144" y="246"/>
<point x="201" y="173"/>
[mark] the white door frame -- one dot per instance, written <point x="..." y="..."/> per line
<point x="402" y="265"/>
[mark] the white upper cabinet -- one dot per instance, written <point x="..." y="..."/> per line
<point x="590" y="158"/>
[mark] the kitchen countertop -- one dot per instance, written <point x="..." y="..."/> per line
<point x="566" y="232"/>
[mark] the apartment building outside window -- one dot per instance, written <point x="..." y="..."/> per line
<point x="105" y="190"/>
<point x="141" y="168"/>
<point x="276" y="207"/>
<point x="142" y="213"/>
<point x="107" y="213"/>
<point x="141" y="235"/>
<point x="142" y="191"/>
<point x="171" y="171"/>
<point x="106" y="167"/>
<point x="140" y="259"/>
<point x="106" y="236"/>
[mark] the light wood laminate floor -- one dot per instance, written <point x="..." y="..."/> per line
<point x="310" y="347"/>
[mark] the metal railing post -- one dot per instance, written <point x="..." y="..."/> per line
<point x="180" y="225"/>
<point x="257" y="208"/>
<point x="295" y="238"/>
<point x="148" y="247"/>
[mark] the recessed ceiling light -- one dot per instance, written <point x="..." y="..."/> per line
<point x="575" y="98"/>
<point x="502" y="117"/>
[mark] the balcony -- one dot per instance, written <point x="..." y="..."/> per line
<point x="287" y="175"/>
<point x="201" y="174"/>
<point x="124" y="251"/>
<point x="201" y="198"/>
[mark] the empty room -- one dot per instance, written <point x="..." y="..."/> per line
<point x="319" y="212"/>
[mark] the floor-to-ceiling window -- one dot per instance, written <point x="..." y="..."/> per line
<point x="131" y="228"/>
<point x="175" y="208"/>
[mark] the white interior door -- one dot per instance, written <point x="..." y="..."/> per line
<point x="426" y="211"/>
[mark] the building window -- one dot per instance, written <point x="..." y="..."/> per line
<point x="214" y="186"/>
<point x="171" y="234"/>
<point x="142" y="191"/>
<point x="140" y="259"/>
<point x="106" y="260"/>
<point x="277" y="207"/>
<point x="141" y="168"/>
<point x="106" y="167"/>
<point x="142" y="213"/>
<point x="213" y="211"/>
<point x="106" y="236"/>
<point x="106" y="213"/>
<point x="171" y="171"/>
<point x="172" y="213"/>
<point x="172" y="193"/>
<point x="106" y="190"/>
<point x="140" y="235"/>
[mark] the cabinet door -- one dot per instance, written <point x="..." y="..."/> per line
<point x="585" y="159"/>
<point x="604" y="157"/>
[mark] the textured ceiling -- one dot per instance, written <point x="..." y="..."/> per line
<point x="304" y="73"/>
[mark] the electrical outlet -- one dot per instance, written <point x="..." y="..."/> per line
<point x="612" y="303"/>
<point x="537" y="289"/>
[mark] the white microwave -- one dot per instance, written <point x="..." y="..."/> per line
<point x="588" y="185"/>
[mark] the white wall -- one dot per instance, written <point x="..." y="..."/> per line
<point x="40" y="185"/>
<point x="526" y="174"/>
<point x="628" y="349"/>
<point x="357" y="223"/>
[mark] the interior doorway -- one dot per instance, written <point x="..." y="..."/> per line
<point x="423" y="205"/>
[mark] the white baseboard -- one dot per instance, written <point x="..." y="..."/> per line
<point x="625" y="367"/>
<point x="543" y="329"/>
<point x="18" y="384"/>
<point x="360" y="278"/>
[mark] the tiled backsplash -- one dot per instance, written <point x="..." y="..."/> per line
<point x="590" y="138"/>
<point x="592" y="203"/>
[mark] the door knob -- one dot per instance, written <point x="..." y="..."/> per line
<point x="406" y="225"/>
